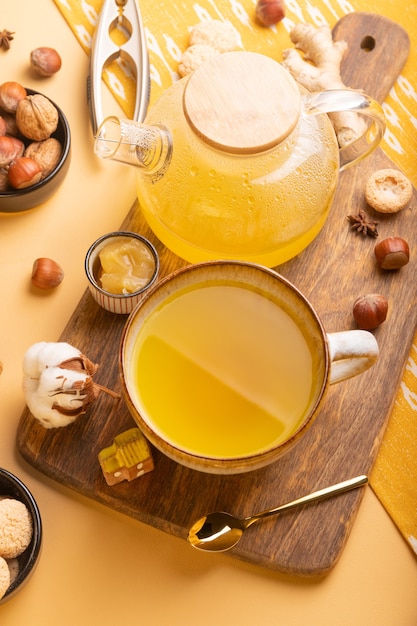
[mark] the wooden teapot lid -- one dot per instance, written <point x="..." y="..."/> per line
<point x="242" y="102"/>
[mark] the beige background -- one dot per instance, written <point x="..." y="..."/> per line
<point x="99" y="567"/>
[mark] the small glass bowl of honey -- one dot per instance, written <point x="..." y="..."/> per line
<point x="120" y="267"/>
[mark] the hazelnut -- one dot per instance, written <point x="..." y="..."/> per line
<point x="36" y="117"/>
<point x="24" y="172"/>
<point x="270" y="12"/>
<point x="392" y="253"/>
<point x="10" y="148"/>
<point x="11" y="93"/>
<point x="46" y="273"/>
<point x="3" y="125"/>
<point x="370" y="311"/>
<point x="11" y="127"/>
<point x="45" y="61"/>
<point x="4" y="179"/>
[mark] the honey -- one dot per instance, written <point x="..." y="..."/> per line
<point x="126" y="266"/>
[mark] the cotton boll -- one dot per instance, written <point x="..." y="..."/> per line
<point x="46" y="354"/>
<point x="58" y="383"/>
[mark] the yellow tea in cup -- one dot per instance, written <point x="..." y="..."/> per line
<point x="225" y="364"/>
<point x="223" y="371"/>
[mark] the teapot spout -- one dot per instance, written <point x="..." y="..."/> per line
<point x="133" y="143"/>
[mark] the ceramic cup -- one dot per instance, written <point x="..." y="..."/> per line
<point x="225" y="365"/>
<point x="116" y="303"/>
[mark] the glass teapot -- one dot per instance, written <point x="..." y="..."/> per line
<point x="238" y="161"/>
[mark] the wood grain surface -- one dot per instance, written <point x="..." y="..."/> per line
<point x="336" y="268"/>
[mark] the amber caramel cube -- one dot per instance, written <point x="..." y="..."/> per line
<point x="127" y="458"/>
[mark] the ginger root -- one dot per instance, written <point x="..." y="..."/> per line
<point x="320" y="70"/>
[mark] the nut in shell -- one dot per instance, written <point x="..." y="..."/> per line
<point x="392" y="253"/>
<point x="11" y="93"/>
<point x="10" y="120"/>
<point x="45" y="61"/>
<point x="47" y="153"/>
<point x="11" y="148"/>
<point x="36" y="117"/>
<point x="24" y="172"/>
<point x="46" y="273"/>
<point x="4" y="179"/>
<point x="370" y="311"/>
<point x="269" y="12"/>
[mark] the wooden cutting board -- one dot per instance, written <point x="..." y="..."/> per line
<point x="336" y="268"/>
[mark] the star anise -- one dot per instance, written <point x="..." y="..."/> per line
<point x="6" y="36"/>
<point x="361" y="224"/>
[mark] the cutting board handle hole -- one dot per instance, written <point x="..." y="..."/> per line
<point x="368" y="43"/>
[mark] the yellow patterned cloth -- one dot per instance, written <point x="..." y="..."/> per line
<point x="167" y="23"/>
<point x="394" y="477"/>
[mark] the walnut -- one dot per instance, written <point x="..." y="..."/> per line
<point x="36" y="117"/>
<point x="47" y="153"/>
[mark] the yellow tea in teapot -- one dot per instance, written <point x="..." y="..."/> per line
<point x="216" y="202"/>
<point x="223" y="370"/>
<point x="237" y="161"/>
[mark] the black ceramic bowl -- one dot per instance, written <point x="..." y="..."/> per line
<point x="12" y="487"/>
<point x="23" y="199"/>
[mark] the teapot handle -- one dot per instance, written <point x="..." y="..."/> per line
<point x="349" y="100"/>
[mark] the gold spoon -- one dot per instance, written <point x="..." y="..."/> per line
<point x="221" y="531"/>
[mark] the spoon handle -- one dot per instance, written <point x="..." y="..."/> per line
<point x="321" y="494"/>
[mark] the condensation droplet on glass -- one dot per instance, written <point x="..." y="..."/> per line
<point x="245" y="181"/>
<point x="194" y="170"/>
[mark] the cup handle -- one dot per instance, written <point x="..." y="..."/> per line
<point x="338" y="100"/>
<point x="351" y="353"/>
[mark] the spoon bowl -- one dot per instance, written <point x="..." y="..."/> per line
<point x="220" y="531"/>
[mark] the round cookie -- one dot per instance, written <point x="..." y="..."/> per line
<point x="193" y="57"/>
<point x="220" y="35"/>
<point x="4" y="577"/>
<point x="15" y="528"/>
<point x="388" y="190"/>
